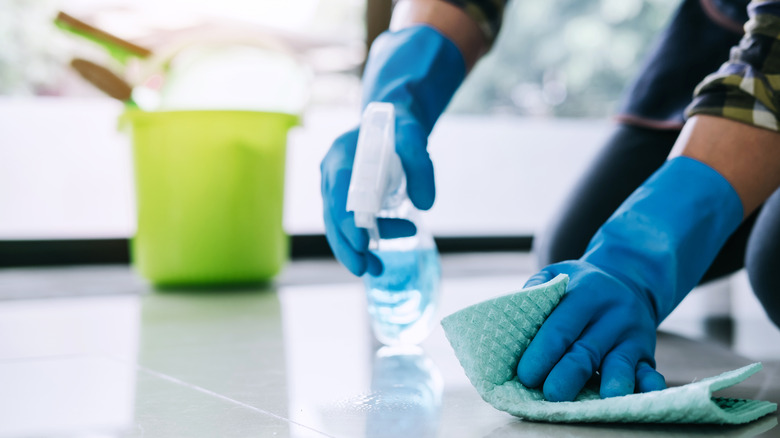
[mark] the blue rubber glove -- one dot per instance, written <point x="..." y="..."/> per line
<point x="418" y="70"/>
<point x="639" y="265"/>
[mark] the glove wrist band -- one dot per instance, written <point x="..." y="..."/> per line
<point x="416" y="68"/>
<point x="663" y="238"/>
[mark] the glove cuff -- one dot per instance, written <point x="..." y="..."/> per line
<point x="416" y="68"/>
<point x="666" y="234"/>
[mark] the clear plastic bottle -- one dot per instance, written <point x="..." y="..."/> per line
<point x="402" y="301"/>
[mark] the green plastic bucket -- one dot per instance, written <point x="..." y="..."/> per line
<point x="209" y="195"/>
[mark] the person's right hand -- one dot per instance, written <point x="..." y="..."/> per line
<point x="603" y="324"/>
<point x="416" y="69"/>
<point x="637" y="268"/>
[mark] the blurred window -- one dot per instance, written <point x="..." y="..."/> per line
<point x="35" y="55"/>
<point x="563" y="58"/>
<point x="568" y="58"/>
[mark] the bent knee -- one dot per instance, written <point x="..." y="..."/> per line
<point x="764" y="280"/>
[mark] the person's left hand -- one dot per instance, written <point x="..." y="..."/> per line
<point x="601" y="324"/>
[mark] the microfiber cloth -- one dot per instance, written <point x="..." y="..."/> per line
<point x="489" y="338"/>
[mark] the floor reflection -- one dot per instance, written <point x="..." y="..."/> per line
<point x="406" y="390"/>
<point x="58" y="370"/>
<point x="220" y="342"/>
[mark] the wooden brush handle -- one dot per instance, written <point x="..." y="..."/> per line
<point x="75" y="23"/>
<point x="103" y="78"/>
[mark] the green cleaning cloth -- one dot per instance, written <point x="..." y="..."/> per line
<point x="489" y="338"/>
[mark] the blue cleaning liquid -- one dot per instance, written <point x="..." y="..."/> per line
<point x="402" y="301"/>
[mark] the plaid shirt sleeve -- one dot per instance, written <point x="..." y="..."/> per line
<point x="747" y="87"/>
<point x="486" y="13"/>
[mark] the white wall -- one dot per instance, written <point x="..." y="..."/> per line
<point x="65" y="170"/>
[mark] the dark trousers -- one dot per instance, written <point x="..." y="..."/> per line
<point x="637" y="148"/>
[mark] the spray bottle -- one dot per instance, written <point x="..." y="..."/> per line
<point x="402" y="301"/>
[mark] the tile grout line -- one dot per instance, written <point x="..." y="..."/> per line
<point x="225" y="398"/>
<point x="110" y="357"/>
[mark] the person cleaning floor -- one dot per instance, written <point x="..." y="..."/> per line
<point x="646" y="225"/>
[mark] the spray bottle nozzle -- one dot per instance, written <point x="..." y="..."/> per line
<point x="377" y="169"/>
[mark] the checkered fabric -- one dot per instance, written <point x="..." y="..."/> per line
<point x="747" y="87"/>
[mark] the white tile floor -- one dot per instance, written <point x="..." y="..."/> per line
<point x="92" y="351"/>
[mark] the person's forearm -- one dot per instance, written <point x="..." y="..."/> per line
<point x="733" y="128"/>
<point x="747" y="156"/>
<point x="448" y="19"/>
